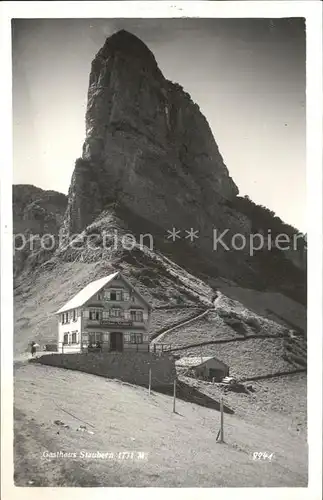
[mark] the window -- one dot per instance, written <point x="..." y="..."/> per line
<point x="145" y="337"/>
<point x="136" y="338"/>
<point x="95" y="337"/>
<point x="136" y="316"/>
<point x="95" y="314"/>
<point x="126" y="296"/>
<point x="74" y="337"/>
<point x="65" y="318"/>
<point x="74" y="314"/>
<point x="65" y="339"/>
<point x="133" y="338"/>
<point x="114" y="295"/>
<point x="116" y="313"/>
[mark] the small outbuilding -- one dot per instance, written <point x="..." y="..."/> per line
<point x="206" y="367"/>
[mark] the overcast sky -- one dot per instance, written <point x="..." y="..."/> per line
<point x="247" y="76"/>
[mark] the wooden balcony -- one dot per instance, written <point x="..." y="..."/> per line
<point x="114" y="322"/>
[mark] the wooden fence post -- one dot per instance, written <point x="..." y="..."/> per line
<point x="222" y="421"/>
<point x="174" y="400"/>
<point x="149" y="390"/>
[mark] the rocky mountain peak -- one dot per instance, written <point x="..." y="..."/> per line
<point x="126" y="44"/>
<point x="147" y="144"/>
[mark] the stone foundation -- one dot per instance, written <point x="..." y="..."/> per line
<point x="128" y="367"/>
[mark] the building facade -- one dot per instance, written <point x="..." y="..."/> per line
<point x="109" y="311"/>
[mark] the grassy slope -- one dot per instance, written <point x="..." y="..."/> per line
<point x="182" y="448"/>
<point x="247" y="358"/>
<point x="276" y="398"/>
<point x="263" y="302"/>
<point x="212" y="327"/>
<point x="209" y="327"/>
<point x="164" y="318"/>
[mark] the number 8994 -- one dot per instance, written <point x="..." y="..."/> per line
<point x="259" y="455"/>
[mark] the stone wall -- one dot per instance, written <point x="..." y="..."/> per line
<point x="129" y="367"/>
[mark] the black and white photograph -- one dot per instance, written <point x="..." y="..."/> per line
<point x="163" y="277"/>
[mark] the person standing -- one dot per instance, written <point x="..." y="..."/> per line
<point x="33" y="348"/>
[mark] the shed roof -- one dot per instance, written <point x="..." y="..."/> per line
<point x="194" y="361"/>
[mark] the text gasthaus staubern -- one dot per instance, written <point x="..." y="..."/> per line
<point x="101" y="455"/>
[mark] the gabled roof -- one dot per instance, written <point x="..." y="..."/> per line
<point x="91" y="289"/>
<point x="86" y="293"/>
<point x="194" y="361"/>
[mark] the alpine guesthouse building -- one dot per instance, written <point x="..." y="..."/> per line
<point x="109" y="311"/>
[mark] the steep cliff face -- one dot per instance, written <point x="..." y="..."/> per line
<point x="36" y="212"/>
<point x="147" y="145"/>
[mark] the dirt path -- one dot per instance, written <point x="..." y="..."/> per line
<point x="158" y="337"/>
